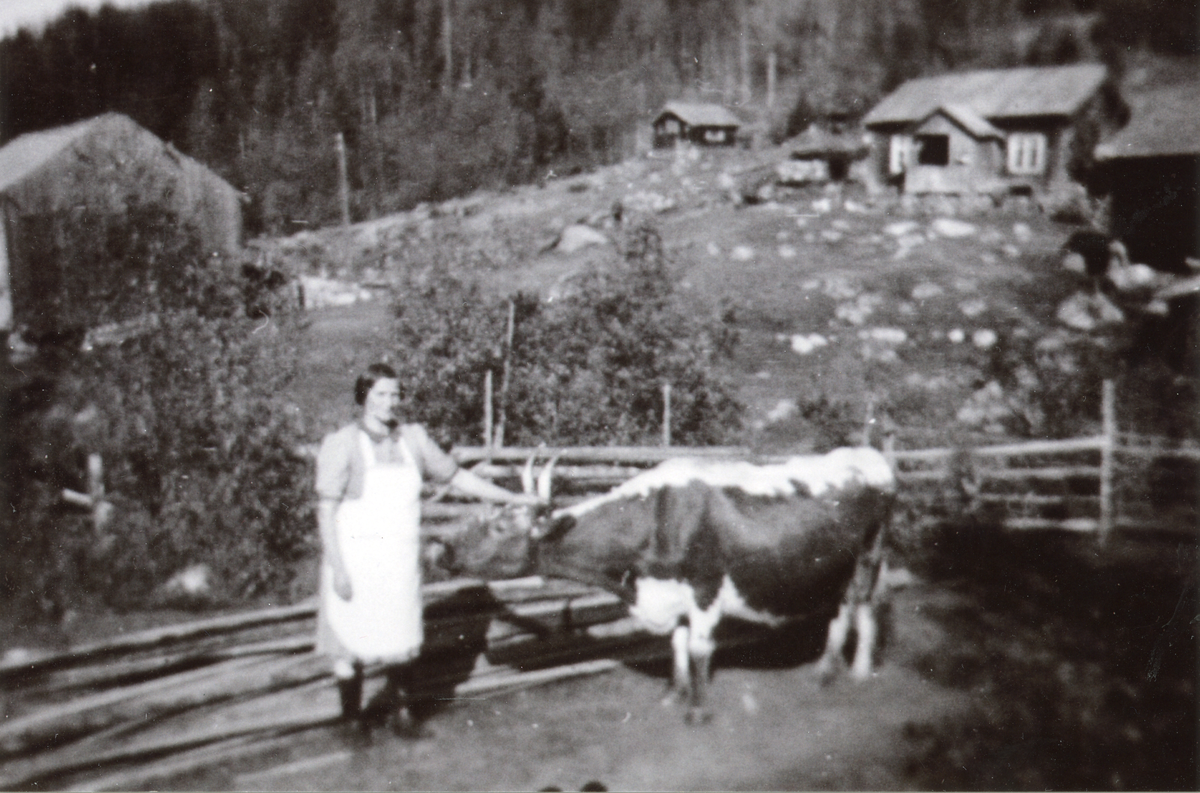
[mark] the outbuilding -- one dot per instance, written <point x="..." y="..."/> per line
<point x="104" y="172"/>
<point x="1150" y="171"/>
<point x="995" y="130"/>
<point x="701" y="123"/>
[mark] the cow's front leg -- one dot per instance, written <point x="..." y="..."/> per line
<point x="831" y="660"/>
<point x="681" y="678"/>
<point x="700" y="652"/>
<point x="867" y="628"/>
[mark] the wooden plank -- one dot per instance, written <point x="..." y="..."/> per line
<point x="1071" y="524"/>
<point x="643" y="455"/>
<point x="221" y="682"/>
<point x="158" y="637"/>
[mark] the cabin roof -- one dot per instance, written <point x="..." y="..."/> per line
<point x="993" y="93"/>
<point x="1164" y="121"/>
<point x="977" y="126"/>
<point x="700" y="114"/>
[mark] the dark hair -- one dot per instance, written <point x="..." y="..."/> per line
<point x="366" y="381"/>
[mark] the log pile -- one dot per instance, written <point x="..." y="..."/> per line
<point x="118" y="713"/>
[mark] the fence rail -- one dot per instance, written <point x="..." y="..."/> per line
<point x="1035" y="485"/>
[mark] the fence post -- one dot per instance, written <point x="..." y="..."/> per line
<point x="666" y="421"/>
<point x="339" y="142"/>
<point x="1108" y="442"/>
<point x="487" y="411"/>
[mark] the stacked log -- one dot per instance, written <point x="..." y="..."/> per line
<point x="150" y="698"/>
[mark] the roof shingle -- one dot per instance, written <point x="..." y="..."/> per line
<point x="993" y="93"/>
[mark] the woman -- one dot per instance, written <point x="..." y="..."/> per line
<point x="369" y="477"/>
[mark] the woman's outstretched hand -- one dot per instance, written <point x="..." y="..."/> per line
<point x="341" y="583"/>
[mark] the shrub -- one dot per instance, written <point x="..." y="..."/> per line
<point x="584" y="369"/>
<point x="198" y="445"/>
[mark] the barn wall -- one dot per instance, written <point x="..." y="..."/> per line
<point x="1155" y="209"/>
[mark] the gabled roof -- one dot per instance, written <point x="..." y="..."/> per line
<point x="993" y="93"/>
<point x="700" y="114"/>
<point x="818" y="142"/>
<point x="968" y="119"/>
<point x="1164" y="122"/>
<point x="26" y="153"/>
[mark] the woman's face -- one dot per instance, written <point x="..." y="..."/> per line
<point x="383" y="401"/>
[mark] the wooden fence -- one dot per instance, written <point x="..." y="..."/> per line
<point x="1111" y="481"/>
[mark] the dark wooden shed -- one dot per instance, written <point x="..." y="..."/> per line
<point x="1151" y="170"/>
<point x="702" y="123"/>
<point x="101" y="169"/>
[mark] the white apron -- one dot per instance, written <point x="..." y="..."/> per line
<point x="379" y="537"/>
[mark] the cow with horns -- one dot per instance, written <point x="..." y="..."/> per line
<point x="690" y="542"/>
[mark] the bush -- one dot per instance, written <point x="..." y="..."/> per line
<point x="585" y="369"/>
<point x="198" y="445"/>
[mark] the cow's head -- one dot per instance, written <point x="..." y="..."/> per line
<point x="503" y="542"/>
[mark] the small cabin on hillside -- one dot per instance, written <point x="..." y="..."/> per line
<point x="106" y="171"/>
<point x="1150" y="170"/>
<point x="701" y="123"/>
<point x="822" y="155"/>
<point x="991" y="131"/>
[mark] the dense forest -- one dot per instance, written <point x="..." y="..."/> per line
<point x="433" y="98"/>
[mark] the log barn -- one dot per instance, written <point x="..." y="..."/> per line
<point x="1150" y="170"/>
<point x="94" y="172"/>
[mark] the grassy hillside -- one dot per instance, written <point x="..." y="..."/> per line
<point x="839" y="298"/>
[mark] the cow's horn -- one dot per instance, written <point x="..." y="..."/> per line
<point x="545" y="478"/>
<point x="527" y="476"/>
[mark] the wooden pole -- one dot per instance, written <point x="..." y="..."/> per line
<point x="447" y="47"/>
<point x="343" y="179"/>
<point x="1109" y="436"/>
<point x="504" y="375"/>
<point x="666" y="420"/>
<point x="487" y="411"/>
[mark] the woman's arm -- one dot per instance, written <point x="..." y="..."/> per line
<point x="326" y="523"/>
<point x="473" y="485"/>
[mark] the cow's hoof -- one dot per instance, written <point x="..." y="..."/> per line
<point x="675" y="697"/>
<point x="405" y="725"/>
<point x="697" y="716"/>
<point x="355" y="734"/>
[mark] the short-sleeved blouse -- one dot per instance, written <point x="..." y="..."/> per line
<point x="341" y="467"/>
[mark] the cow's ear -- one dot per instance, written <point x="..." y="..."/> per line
<point x="554" y="528"/>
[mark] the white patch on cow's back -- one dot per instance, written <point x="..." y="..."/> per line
<point x="660" y="604"/>
<point x="818" y="473"/>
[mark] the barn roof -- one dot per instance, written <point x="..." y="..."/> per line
<point x="1164" y="122"/>
<point x="993" y="93"/>
<point x="700" y="114"/>
<point x="25" y="154"/>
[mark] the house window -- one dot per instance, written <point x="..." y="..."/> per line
<point x="714" y="136"/>
<point x="898" y="154"/>
<point x="671" y="126"/>
<point x="1026" y="153"/>
<point x="934" y="150"/>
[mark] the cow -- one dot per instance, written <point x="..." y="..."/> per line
<point x="692" y="541"/>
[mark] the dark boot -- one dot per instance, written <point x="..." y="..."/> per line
<point x="401" y="720"/>
<point x="350" y="692"/>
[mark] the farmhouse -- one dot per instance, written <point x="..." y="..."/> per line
<point x="1150" y="170"/>
<point x="100" y="168"/>
<point x="701" y="123"/>
<point x="991" y="131"/>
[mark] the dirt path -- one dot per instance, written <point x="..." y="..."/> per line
<point x="774" y="728"/>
